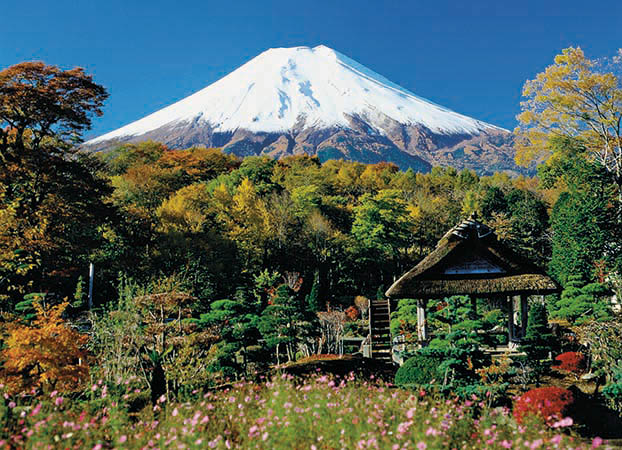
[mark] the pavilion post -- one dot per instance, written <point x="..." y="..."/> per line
<point x="422" y="332"/>
<point x="510" y="303"/>
<point x="524" y="314"/>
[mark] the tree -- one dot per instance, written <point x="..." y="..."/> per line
<point x="39" y="102"/>
<point x="312" y="300"/>
<point x="236" y="324"/>
<point x="46" y="355"/>
<point x="284" y="324"/>
<point x="538" y="337"/>
<point x="51" y="196"/>
<point x="574" y="98"/>
<point x="580" y="302"/>
<point x="381" y="229"/>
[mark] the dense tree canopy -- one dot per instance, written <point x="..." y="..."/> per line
<point x="51" y="198"/>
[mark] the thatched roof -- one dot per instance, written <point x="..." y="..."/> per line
<point x="469" y="259"/>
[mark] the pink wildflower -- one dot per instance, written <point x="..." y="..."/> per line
<point x="565" y="422"/>
<point x="36" y="410"/>
<point x="421" y="445"/>
<point x="122" y="439"/>
<point x="597" y="442"/>
<point x="506" y="444"/>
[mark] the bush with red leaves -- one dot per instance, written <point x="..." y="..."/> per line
<point x="550" y="403"/>
<point x="352" y="313"/>
<point x="571" y="361"/>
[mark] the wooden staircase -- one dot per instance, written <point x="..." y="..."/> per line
<point x="379" y="330"/>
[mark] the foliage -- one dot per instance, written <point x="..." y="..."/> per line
<point x="613" y="391"/>
<point x="404" y="319"/>
<point x="46" y="355"/>
<point x="581" y="303"/>
<point x="418" y="370"/>
<point x="285" y="325"/>
<point x="147" y="338"/>
<point x="571" y="361"/>
<point x="537" y="342"/>
<point x="604" y="343"/>
<point x="235" y="322"/>
<point x="456" y="345"/>
<point x="52" y="207"/>
<point x="550" y="403"/>
<point x="584" y="220"/>
<point x="312" y="300"/>
<point x="574" y="98"/>
<point x="279" y="413"/>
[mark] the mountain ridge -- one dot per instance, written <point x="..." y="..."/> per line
<point x="318" y="101"/>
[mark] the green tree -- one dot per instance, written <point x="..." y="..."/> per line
<point x="580" y="302"/>
<point x="236" y="324"/>
<point x="537" y="343"/>
<point x="283" y="323"/>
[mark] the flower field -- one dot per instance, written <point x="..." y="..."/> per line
<point x="314" y="413"/>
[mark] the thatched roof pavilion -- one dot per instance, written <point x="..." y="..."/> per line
<point x="470" y="260"/>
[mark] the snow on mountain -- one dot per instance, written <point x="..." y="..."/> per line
<point x="316" y="101"/>
<point x="301" y="87"/>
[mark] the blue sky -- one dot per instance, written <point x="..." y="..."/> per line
<point x="472" y="57"/>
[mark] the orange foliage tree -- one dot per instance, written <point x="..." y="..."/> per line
<point x="46" y="355"/>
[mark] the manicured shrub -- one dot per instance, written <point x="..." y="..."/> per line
<point x="550" y="403"/>
<point x="538" y="337"/>
<point x="417" y="370"/>
<point x="571" y="361"/>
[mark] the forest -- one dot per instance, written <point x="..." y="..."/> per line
<point x="214" y="273"/>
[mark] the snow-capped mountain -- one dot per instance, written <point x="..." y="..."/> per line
<point x="318" y="101"/>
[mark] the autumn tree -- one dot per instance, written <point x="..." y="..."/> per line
<point x="51" y="196"/>
<point x="47" y="354"/>
<point x="578" y="98"/>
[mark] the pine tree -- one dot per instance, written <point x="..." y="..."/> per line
<point x="279" y="322"/>
<point x="538" y="338"/>
<point x="312" y="301"/>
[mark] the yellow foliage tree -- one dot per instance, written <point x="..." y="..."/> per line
<point x="185" y="210"/>
<point x="46" y="355"/>
<point x="573" y="98"/>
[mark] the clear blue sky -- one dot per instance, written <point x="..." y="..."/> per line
<point x="472" y="57"/>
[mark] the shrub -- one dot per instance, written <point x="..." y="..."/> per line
<point x="613" y="394"/>
<point x="352" y="313"/>
<point x="550" y="403"/>
<point x="574" y="362"/>
<point x="417" y="370"/>
<point x="538" y="337"/>
<point x="582" y="303"/>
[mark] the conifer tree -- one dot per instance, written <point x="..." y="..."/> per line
<point x="538" y="337"/>
<point x="312" y="300"/>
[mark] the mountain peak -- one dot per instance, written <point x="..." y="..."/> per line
<point x="281" y="87"/>
<point x="313" y="94"/>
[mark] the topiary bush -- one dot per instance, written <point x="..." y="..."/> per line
<point x="417" y="370"/>
<point x="550" y="403"/>
<point x="574" y="362"/>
